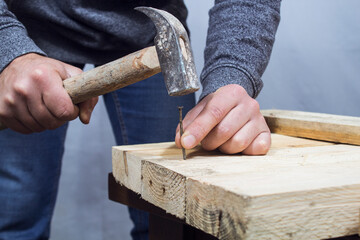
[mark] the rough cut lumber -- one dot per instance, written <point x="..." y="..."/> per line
<point x="302" y="189"/>
<point x="320" y="126"/>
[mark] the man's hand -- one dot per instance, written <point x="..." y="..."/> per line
<point x="32" y="96"/>
<point x="228" y="119"/>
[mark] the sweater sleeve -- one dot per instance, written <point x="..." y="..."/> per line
<point x="240" y="38"/>
<point x="14" y="40"/>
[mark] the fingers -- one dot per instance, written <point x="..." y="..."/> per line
<point x="32" y="97"/>
<point x="37" y="107"/>
<point x="15" y="124"/>
<point x="216" y="107"/>
<point x="13" y="114"/>
<point x="260" y="145"/>
<point x="25" y="117"/>
<point x="85" y="108"/>
<point x="229" y="120"/>
<point x="54" y="106"/>
<point x="56" y="99"/>
<point x="233" y="122"/>
<point x="248" y="138"/>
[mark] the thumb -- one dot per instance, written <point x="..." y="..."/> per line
<point x="86" y="109"/>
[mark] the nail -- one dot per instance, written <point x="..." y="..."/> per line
<point x="181" y="130"/>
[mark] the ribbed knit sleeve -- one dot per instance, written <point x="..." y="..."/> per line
<point x="240" y="38"/>
<point x="14" y="40"/>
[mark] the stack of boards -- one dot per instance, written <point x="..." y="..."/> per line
<point x="302" y="189"/>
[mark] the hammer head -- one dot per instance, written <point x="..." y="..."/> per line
<point x="174" y="52"/>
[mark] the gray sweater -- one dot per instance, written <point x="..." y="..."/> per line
<point x="240" y="36"/>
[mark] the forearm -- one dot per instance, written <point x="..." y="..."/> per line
<point x="14" y="40"/>
<point x="239" y="43"/>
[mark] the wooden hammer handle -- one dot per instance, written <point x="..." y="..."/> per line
<point x="112" y="76"/>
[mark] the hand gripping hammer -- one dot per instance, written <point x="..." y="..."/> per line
<point x="171" y="55"/>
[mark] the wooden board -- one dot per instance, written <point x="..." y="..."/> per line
<point x="302" y="189"/>
<point x="320" y="126"/>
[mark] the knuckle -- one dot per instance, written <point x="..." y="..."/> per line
<point x="216" y="113"/>
<point x="255" y="106"/>
<point x="200" y="129"/>
<point x="64" y="111"/>
<point x="21" y="89"/>
<point x="241" y="143"/>
<point x="223" y="130"/>
<point x="38" y="74"/>
<point x="237" y="90"/>
<point x="9" y="100"/>
<point x="261" y="146"/>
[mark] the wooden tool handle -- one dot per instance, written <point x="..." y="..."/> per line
<point x="112" y="76"/>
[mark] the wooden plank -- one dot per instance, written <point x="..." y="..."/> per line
<point x="306" y="214"/>
<point x="163" y="187"/>
<point x="327" y="127"/>
<point x="127" y="169"/>
<point x="302" y="189"/>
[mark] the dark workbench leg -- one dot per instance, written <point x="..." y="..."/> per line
<point x="163" y="229"/>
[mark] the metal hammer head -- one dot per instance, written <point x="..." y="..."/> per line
<point x="174" y="52"/>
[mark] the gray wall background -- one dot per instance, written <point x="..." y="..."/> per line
<point x="315" y="66"/>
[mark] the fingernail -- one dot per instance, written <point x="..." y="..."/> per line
<point x="188" y="141"/>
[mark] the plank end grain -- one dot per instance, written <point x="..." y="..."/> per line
<point x="127" y="160"/>
<point x="215" y="211"/>
<point x="164" y="188"/>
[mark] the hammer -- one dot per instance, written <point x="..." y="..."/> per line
<point x="171" y="55"/>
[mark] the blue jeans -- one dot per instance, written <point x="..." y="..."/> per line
<point x="30" y="165"/>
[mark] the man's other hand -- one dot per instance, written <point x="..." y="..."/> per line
<point x="228" y="119"/>
<point x="32" y="96"/>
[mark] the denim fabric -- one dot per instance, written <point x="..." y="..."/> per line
<point x="30" y="165"/>
<point x="29" y="176"/>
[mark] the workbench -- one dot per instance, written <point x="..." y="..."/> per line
<point x="302" y="189"/>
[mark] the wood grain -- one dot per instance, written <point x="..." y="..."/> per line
<point x="114" y="75"/>
<point x="302" y="189"/>
<point x="163" y="188"/>
<point x="327" y="127"/>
